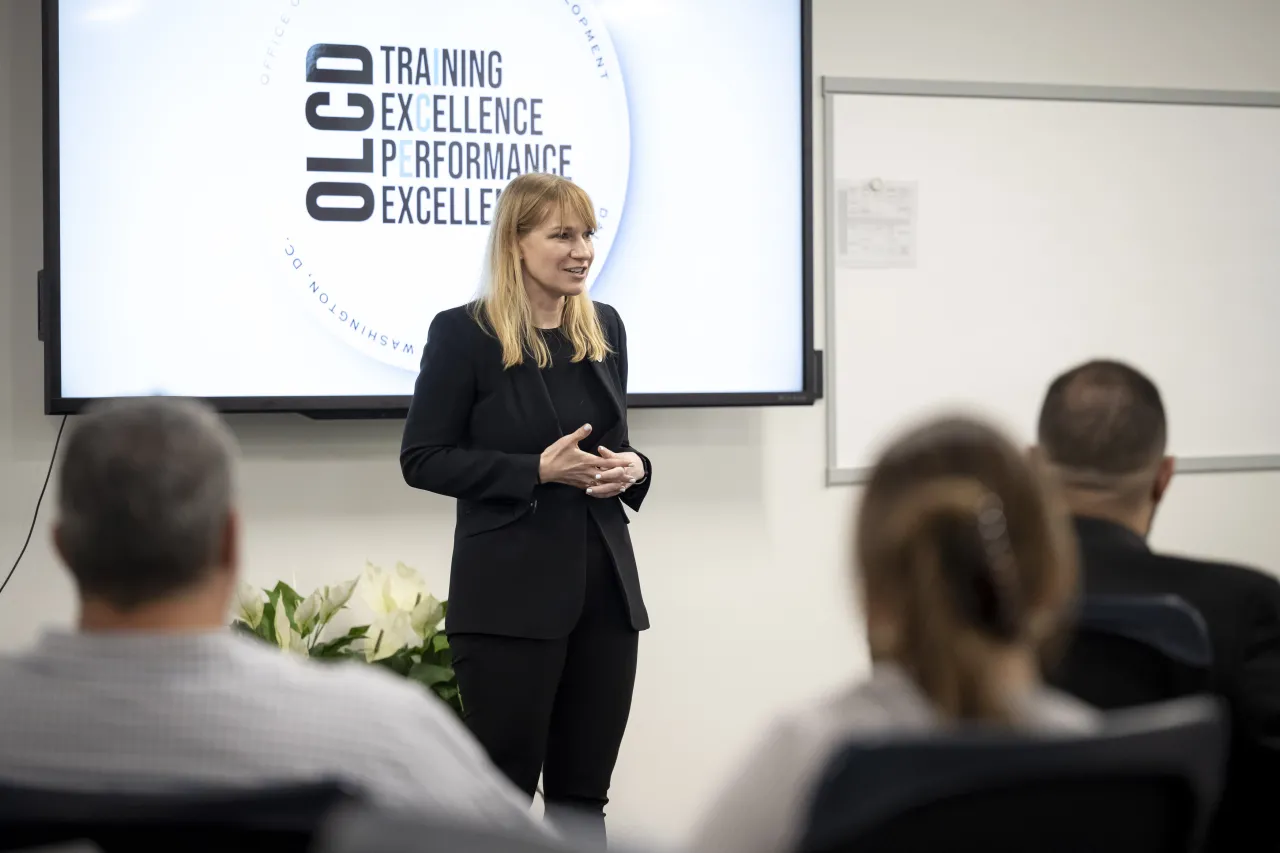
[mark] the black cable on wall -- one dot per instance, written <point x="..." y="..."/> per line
<point x="35" y="515"/>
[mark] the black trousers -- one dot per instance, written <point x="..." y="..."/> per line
<point x="557" y="707"/>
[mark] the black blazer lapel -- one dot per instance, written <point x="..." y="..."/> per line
<point x="611" y="388"/>
<point x="534" y="400"/>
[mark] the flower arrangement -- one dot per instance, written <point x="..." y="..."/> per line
<point x="403" y="633"/>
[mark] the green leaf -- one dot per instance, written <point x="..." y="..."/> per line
<point x="291" y="595"/>
<point x="338" y="656"/>
<point x="284" y="592"/>
<point x="267" y="627"/>
<point x="431" y="674"/>
<point x="353" y="634"/>
<point x="338" y="647"/>
<point x="333" y="648"/>
<point x="400" y="663"/>
<point x="440" y="643"/>
<point x="447" y="693"/>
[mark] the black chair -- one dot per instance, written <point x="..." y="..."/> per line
<point x="1133" y="650"/>
<point x="1145" y="784"/>
<point x="280" y="819"/>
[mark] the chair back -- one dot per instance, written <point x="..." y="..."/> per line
<point x="1133" y="650"/>
<point x="280" y="819"/>
<point x="1145" y="783"/>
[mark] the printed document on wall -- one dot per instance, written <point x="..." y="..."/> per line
<point x="875" y="225"/>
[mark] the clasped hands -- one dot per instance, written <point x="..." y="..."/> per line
<point x="605" y="476"/>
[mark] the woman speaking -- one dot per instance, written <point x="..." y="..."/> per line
<point x="519" y="412"/>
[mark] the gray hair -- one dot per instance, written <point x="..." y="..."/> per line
<point x="144" y="493"/>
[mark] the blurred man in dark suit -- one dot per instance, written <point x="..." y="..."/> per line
<point x="1102" y="426"/>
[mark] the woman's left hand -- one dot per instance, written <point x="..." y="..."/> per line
<point x="615" y="481"/>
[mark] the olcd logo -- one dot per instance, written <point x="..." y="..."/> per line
<point x="393" y="134"/>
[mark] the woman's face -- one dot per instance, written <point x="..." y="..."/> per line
<point x="556" y="256"/>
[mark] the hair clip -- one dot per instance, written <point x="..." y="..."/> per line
<point x="993" y="526"/>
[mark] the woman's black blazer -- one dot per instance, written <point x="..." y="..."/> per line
<point x="476" y="432"/>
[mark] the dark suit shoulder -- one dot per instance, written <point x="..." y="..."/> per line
<point x="1240" y="580"/>
<point x="457" y="319"/>
<point x="460" y="325"/>
<point x="1221" y="591"/>
<point x="610" y="321"/>
<point x="608" y="315"/>
<point x="1118" y="561"/>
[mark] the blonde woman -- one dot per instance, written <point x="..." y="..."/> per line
<point x="520" y="413"/>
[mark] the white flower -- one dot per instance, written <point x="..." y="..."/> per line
<point x="403" y="609"/>
<point x="375" y="589"/>
<point x="249" y="604"/>
<point x="307" y="616"/>
<point x="407" y="587"/>
<point x="426" y="617"/>
<point x="386" y="592"/>
<point x="336" y="598"/>
<point x="288" y="639"/>
<point x="388" y="634"/>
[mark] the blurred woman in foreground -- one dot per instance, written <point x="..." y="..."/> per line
<point x="966" y="568"/>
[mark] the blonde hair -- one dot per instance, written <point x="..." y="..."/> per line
<point x="964" y="544"/>
<point x="503" y="308"/>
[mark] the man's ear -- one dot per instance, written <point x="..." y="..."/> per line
<point x="57" y="542"/>
<point x="229" y="551"/>
<point x="1164" y="475"/>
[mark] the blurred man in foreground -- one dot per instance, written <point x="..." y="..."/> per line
<point x="153" y="693"/>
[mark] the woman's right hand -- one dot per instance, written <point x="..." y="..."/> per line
<point x="565" y="462"/>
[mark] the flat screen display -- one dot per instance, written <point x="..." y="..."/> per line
<point x="266" y="202"/>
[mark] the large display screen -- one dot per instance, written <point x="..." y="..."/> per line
<point x="266" y="202"/>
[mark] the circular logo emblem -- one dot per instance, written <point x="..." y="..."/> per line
<point x="392" y="133"/>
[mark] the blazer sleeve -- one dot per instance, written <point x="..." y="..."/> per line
<point x="433" y="451"/>
<point x="635" y="495"/>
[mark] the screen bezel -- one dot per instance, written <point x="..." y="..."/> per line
<point x="397" y="406"/>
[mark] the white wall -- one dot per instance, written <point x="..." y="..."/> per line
<point x="741" y="546"/>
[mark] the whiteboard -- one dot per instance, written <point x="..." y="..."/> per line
<point x="981" y="239"/>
